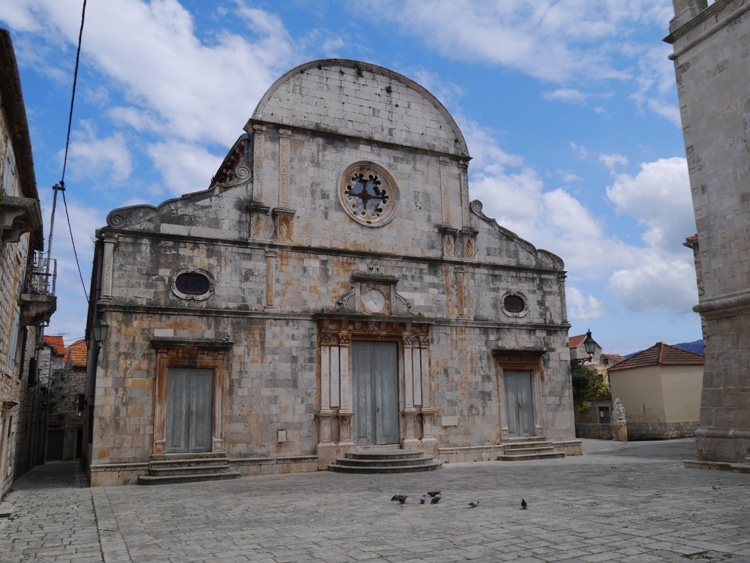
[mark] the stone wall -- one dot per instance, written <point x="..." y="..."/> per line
<point x="287" y="257"/>
<point x="711" y="68"/>
<point x="660" y="431"/>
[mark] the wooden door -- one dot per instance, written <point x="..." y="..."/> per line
<point x="375" y="377"/>
<point x="189" y="410"/>
<point x="518" y="397"/>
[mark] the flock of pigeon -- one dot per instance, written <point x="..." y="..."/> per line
<point x="435" y="497"/>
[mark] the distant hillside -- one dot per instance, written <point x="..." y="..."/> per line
<point x="696" y="346"/>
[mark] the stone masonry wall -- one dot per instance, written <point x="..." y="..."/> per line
<point x="711" y="68"/>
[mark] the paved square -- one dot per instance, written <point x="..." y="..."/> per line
<point x="620" y="502"/>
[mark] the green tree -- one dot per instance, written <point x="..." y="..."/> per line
<point x="587" y="384"/>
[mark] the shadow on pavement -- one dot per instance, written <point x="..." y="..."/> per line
<point x="678" y="449"/>
<point x="53" y="475"/>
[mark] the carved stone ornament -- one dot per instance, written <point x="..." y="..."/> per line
<point x="369" y="194"/>
<point x="192" y="284"/>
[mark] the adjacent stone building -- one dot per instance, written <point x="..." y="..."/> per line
<point x="333" y="288"/>
<point x="65" y="405"/>
<point x="25" y="300"/>
<point x="712" y="68"/>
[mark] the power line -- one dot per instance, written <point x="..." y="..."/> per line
<point x="61" y="185"/>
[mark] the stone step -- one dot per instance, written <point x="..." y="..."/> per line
<point x="188" y="456"/>
<point x="189" y="478"/>
<point x="522" y="451"/>
<point x="384" y="460"/>
<point x="384" y="455"/>
<point x="186" y="469"/>
<point x="369" y="469"/>
<point x="530" y="456"/>
<point x="521" y="446"/>
<point x="189" y="462"/>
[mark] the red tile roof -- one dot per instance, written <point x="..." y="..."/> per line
<point x="574" y="341"/>
<point x="57" y="343"/>
<point x="660" y="354"/>
<point x="614" y="358"/>
<point x="78" y="353"/>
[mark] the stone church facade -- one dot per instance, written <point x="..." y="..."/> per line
<point x="712" y="68"/>
<point x="333" y="288"/>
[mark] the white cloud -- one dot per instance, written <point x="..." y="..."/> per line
<point x="555" y="41"/>
<point x="656" y="285"/>
<point x="659" y="198"/>
<point x="583" y="307"/>
<point x="582" y="152"/>
<point x="198" y="91"/>
<point x="613" y="160"/>
<point x="656" y="275"/>
<point x="568" y="95"/>
<point x="185" y="167"/>
<point x="93" y="157"/>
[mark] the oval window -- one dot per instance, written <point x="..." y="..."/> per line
<point x="191" y="283"/>
<point x="514" y="304"/>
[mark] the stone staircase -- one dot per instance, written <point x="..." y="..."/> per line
<point x="385" y="461"/>
<point x="187" y="468"/>
<point x="525" y="449"/>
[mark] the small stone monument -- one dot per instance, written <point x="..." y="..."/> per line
<point x="619" y="424"/>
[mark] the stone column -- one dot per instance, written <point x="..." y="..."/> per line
<point x="258" y="150"/>
<point x="345" y="412"/>
<point x="284" y="143"/>
<point x="445" y="190"/>
<point x="271" y="256"/>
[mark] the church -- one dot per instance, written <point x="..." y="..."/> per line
<point x="333" y="289"/>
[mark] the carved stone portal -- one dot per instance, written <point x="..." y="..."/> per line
<point x="336" y="386"/>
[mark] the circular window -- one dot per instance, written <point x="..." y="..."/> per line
<point x="514" y="304"/>
<point x="368" y="193"/>
<point x="193" y="284"/>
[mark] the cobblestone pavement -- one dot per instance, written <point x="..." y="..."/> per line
<point x="619" y="502"/>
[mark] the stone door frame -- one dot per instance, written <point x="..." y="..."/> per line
<point x="335" y="412"/>
<point x="190" y="354"/>
<point x="526" y="360"/>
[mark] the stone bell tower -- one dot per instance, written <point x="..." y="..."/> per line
<point x="712" y="65"/>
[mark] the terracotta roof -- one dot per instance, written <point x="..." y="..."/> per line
<point x="614" y="358"/>
<point x="78" y="353"/>
<point x="574" y="341"/>
<point x="691" y="241"/>
<point x="57" y="343"/>
<point x="660" y="354"/>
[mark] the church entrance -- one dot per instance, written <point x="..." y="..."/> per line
<point x="519" y="399"/>
<point x="189" y="410"/>
<point x="375" y="382"/>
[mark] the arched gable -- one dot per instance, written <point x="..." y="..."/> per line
<point x="358" y="99"/>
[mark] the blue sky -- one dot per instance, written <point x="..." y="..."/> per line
<point x="569" y="109"/>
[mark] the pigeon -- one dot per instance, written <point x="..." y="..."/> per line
<point x="474" y="504"/>
<point x="433" y="493"/>
<point x="435" y="499"/>
<point x="402" y="498"/>
<point x="226" y="338"/>
<point x="422" y="499"/>
<point x="523" y="504"/>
